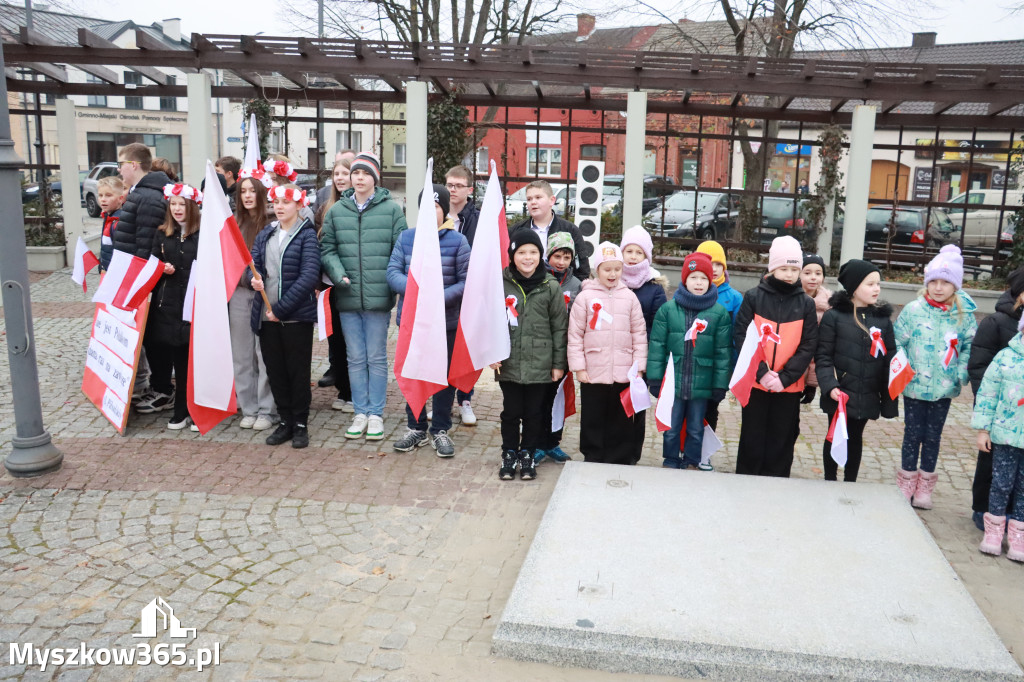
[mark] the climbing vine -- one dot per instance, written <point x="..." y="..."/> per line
<point x="264" y="117"/>
<point x="829" y="186"/>
<point x="1016" y="219"/>
<point x="449" y="137"/>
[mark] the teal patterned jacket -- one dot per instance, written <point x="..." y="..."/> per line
<point x="920" y="331"/>
<point x="996" y="409"/>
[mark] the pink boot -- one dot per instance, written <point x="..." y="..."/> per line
<point x="907" y="481"/>
<point x="992" y="543"/>
<point x="925" y="486"/>
<point x="1015" y="536"/>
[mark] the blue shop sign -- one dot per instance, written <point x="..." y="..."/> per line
<point x="791" y="149"/>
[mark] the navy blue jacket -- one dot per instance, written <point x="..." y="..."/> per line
<point x="300" y="273"/>
<point x="142" y="214"/>
<point x="454" y="266"/>
<point x="651" y="296"/>
<point x="468" y="218"/>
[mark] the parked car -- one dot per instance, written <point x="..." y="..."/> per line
<point x="610" y="198"/>
<point x="101" y="170"/>
<point x="982" y="225"/>
<point x="715" y="215"/>
<point x="655" y="187"/>
<point x="777" y="219"/>
<point x="910" y="226"/>
<point x="515" y="203"/>
<point x="30" y="192"/>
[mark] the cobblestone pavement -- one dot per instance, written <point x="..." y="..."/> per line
<point x="342" y="561"/>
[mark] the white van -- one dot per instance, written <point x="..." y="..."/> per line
<point x="515" y="203"/>
<point x="983" y="224"/>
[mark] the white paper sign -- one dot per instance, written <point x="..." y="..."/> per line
<point x="112" y="406"/>
<point x="112" y="371"/>
<point x="116" y="335"/>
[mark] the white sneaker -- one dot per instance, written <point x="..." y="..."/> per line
<point x="375" y="428"/>
<point x="343" y="405"/>
<point x="430" y="415"/>
<point x="358" y="427"/>
<point x="466" y="411"/>
<point x="193" y="426"/>
<point x="262" y="423"/>
<point x="178" y="425"/>
<point x="246" y="422"/>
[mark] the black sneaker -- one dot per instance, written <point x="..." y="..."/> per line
<point x="527" y="467"/>
<point x="326" y="380"/>
<point x="507" y="472"/>
<point x="282" y="433"/>
<point x="443" y="444"/>
<point x="411" y="440"/>
<point x="300" y="436"/>
<point x="158" y="403"/>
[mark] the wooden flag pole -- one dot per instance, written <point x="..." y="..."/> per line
<point x="256" y="276"/>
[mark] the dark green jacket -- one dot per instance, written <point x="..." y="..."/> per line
<point x="539" y="341"/>
<point x="358" y="246"/>
<point x="710" y="359"/>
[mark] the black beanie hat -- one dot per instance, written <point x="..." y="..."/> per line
<point x="853" y="272"/>
<point x="1016" y="281"/>
<point x="521" y="237"/>
<point x="810" y="258"/>
<point x="441" y="198"/>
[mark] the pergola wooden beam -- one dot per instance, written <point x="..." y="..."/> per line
<point x="87" y="38"/>
<point x="32" y="37"/>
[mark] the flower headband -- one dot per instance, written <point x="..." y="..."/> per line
<point x="290" y="193"/>
<point x="183" y="191"/>
<point x="282" y="168"/>
<point x="256" y="174"/>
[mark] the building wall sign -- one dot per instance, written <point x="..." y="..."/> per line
<point x="960" y="150"/>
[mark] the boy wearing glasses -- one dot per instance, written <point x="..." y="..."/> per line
<point x="463" y="210"/>
<point x="145" y="208"/>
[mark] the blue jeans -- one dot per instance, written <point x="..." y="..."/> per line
<point x="922" y="433"/>
<point x="693" y="412"/>
<point x="366" y="338"/>
<point x="463" y="397"/>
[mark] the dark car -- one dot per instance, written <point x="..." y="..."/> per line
<point x="910" y="227"/>
<point x="704" y="215"/>
<point x="778" y="218"/>
<point x="655" y="187"/>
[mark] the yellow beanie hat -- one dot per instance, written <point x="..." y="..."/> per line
<point x="717" y="255"/>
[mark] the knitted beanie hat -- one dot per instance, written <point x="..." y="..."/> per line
<point x="367" y="161"/>
<point x="522" y="237"/>
<point x="1016" y="281"/>
<point x="853" y="272"/>
<point x="813" y="258"/>
<point x="785" y="251"/>
<point x="441" y="197"/>
<point x="560" y="240"/>
<point x="638" y="236"/>
<point x="697" y="262"/>
<point x="947" y="265"/>
<point x="714" y="250"/>
<point x="606" y="252"/>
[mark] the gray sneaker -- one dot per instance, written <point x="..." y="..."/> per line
<point x="411" y="440"/>
<point x="443" y="444"/>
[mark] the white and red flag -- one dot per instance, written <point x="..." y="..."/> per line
<point x="222" y="257"/>
<point x="667" y="397"/>
<point x="837" y="433"/>
<point x="697" y="327"/>
<point x="877" y="344"/>
<point x="635" y="397"/>
<point x="324" y="325"/>
<point x="511" y="310"/>
<point x="85" y="260"/>
<point x="599" y="315"/>
<point x="900" y="373"/>
<point x="950" y="353"/>
<point x="128" y="280"/>
<point x="710" y="445"/>
<point x="565" y="403"/>
<point x="422" y="338"/>
<point x="744" y="376"/>
<point x="483" y="335"/>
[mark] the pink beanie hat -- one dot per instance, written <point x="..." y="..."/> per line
<point x="638" y="236"/>
<point x="785" y="251"/>
<point x="947" y="265"/>
<point x="606" y="251"/>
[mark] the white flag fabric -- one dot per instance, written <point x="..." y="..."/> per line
<point x="252" y="147"/>
<point x="710" y="445"/>
<point x="638" y="393"/>
<point x="190" y="295"/>
<point x="667" y="396"/>
<point x="85" y="260"/>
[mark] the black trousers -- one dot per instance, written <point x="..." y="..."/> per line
<point x="982" y="482"/>
<point x="522" y="404"/>
<point x="854" y="450"/>
<point x="337" y="354"/>
<point x="771" y="422"/>
<point x="606" y="433"/>
<point x="164" y="358"/>
<point x="287" y="350"/>
<point x="549" y="439"/>
<point x="711" y="414"/>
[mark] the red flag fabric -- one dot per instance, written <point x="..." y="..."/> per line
<point x="837" y="432"/>
<point x="900" y="373"/>
<point x="483" y="336"/>
<point x="324" y="324"/>
<point x="565" y="403"/>
<point x="635" y="397"/>
<point x="128" y="280"/>
<point x="952" y="352"/>
<point x="85" y="260"/>
<point x="221" y="259"/>
<point x="744" y="376"/>
<point x="877" y="344"/>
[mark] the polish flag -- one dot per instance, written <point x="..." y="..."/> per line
<point x="900" y="373"/>
<point x="324" y="326"/>
<point x="128" y="280"/>
<point x="565" y="403"/>
<point x="697" y="327"/>
<point x="744" y="376"/>
<point x="483" y="336"/>
<point x="635" y="397"/>
<point x="85" y="260"/>
<point x="837" y="433"/>
<point x="221" y="259"/>
<point x="951" y="351"/>
<point x="667" y="397"/>
<point x="422" y="338"/>
<point x="710" y="445"/>
<point x="252" y="147"/>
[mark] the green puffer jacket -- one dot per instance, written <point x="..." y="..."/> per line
<point x="920" y="331"/>
<point x="997" y="408"/>
<point x="358" y="246"/>
<point x="539" y="341"/>
<point x="710" y="361"/>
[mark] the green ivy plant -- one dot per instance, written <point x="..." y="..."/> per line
<point x="264" y="117"/>
<point x="829" y="186"/>
<point x="1016" y="219"/>
<point x="449" y="136"/>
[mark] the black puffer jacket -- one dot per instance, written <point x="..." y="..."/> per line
<point x="993" y="334"/>
<point x="165" y="324"/>
<point x="581" y="261"/>
<point x="844" y="361"/>
<point x="143" y="212"/>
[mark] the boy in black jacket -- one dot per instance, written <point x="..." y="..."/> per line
<point x="540" y="204"/>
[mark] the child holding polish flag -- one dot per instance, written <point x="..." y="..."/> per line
<point x="855" y="346"/>
<point x="935" y="331"/>
<point x="695" y="331"/>
<point x="607" y="335"/>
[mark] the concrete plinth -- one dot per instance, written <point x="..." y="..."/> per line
<point x="646" y="570"/>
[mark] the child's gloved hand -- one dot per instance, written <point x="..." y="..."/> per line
<point x="809" y="393"/>
<point x="772" y="382"/>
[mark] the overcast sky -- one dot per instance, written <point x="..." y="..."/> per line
<point x="955" y="21"/>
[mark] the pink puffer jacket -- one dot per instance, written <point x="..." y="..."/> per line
<point x="607" y="353"/>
